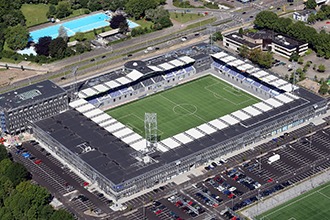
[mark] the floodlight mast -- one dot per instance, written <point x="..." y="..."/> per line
<point x="150" y="128"/>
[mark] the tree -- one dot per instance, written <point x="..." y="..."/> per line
<point x="63" y="9"/>
<point x="217" y="36"/>
<point x="117" y="20"/>
<point x="265" y="19"/>
<point x="63" y="33"/>
<point x="324" y="88"/>
<point x="57" y="48"/>
<point x="311" y="18"/>
<point x="123" y="27"/>
<point x="137" y="8"/>
<point x="42" y="47"/>
<point x="294" y="57"/>
<point x="17" y="37"/>
<point x="51" y="11"/>
<point x="80" y="36"/>
<point x="321" y="68"/>
<point x="3" y="152"/>
<point x="13" y="18"/>
<point x="16" y="173"/>
<point x="117" y="4"/>
<point x="160" y="17"/>
<point x="61" y="215"/>
<point x="310" y="4"/>
<point x="240" y="31"/>
<point x="301" y="60"/>
<point x="244" y="51"/>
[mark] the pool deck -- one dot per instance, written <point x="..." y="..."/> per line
<point x="48" y="24"/>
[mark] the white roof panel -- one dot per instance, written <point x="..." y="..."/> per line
<point x="161" y="148"/>
<point x="82" y="95"/>
<point x="183" y="138"/>
<point x="114" y="127"/>
<point x="273" y="102"/>
<point x="218" y="124"/>
<point x="85" y="108"/>
<point x="112" y="84"/>
<point x="101" y="88"/>
<point x="155" y="68"/>
<point x="131" y="138"/>
<point x="241" y="115"/>
<point x="252" y="111"/>
<point x="236" y="63"/>
<point x="186" y="59"/>
<point x="123" y="132"/>
<point x="287" y="87"/>
<point x="260" y="74"/>
<point x="283" y="98"/>
<point x="176" y="63"/>
<point x="77" y="103"/>
<point x="268" y="78"/>
<point x="108" y="122"/>
<point x="101" y="118"/>
<point x="291" y="95"/>
<point x="206" y="128"/>
<point x="229" y="119"/>
<point x="254" y="69"/>
<point x="123" y="80"/>
<point x="228" y="59"/>
<point x="281" y="82"/>
<point x="245" y="67"/>
<point x="89" y="91"/>
<point x="93" y="113"/>
<point x="219" y="55"/>
<point x="170" y="143"/>
<point x="166" y="66"/>
<point x="140" y="145"/>
<point x="194" y="133"/>
<point x="134" y="75"/>
<point x="262" y="106"/>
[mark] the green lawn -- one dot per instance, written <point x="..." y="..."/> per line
<point x="184" y="106"/>
<point x="184" y="17"/>
<point x="143" y="23"/>
<point x="35" y="13"/>
<point x="308" y="206"/>
<point x="201" y="23"/>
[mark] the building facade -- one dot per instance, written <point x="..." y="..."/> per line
<point x="31" y="103"/>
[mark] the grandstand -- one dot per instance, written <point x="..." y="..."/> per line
<point x="114" y="154"/>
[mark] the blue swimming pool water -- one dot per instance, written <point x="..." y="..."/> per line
<point x="84" y="24"/>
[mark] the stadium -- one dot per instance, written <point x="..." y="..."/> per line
<point x="202" y="102"/>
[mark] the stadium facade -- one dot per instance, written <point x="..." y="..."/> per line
<point x="116" y="158"/>
<point x="31" y="103"/>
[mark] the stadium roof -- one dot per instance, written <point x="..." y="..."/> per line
<point x="206" y="129"/>
<point x="219" y="55"/>
<point x="176" y="63"/>
<point x="186" y="59"/>
<point x="134" y="75"/>
<point x="77" y="103"/>
<point x="252" y="111"/>
<point x="240" y="115"/>
<point x="245" y="67"/>
<point x="260" y="74"/>
<point x="89" y="91"/>
<point x="112" y="84"/>
<point x="184" y="139"/>
<point x="30" y="94"/>
<point x="123" y="80"/>
<point x="100" y="88"/>
<point x="166" y="66"/>
<point x="155" y="68"/>
<point x="262" y="106"/>
<point x="227" y="59"/>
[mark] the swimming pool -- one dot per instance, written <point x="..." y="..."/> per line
<point x="84" y="24"/>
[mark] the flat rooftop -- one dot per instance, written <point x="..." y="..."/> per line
<point x="109" y="155"/>
<point x="30" y="94"/>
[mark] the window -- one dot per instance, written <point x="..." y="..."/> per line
<point x="114" y="100"/>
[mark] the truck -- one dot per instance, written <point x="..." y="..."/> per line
<point x="273" y="158"/>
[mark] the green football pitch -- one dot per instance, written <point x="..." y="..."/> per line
<point x="185" y="106"/>
<point x="312" y="205"/>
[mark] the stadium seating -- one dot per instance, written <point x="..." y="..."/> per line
<point x="114" y="94"/>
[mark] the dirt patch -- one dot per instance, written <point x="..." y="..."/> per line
<point x="310" y="85"/>
<point x="11" y="76"/>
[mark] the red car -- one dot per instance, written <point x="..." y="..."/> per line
<point x="158" y="212"/>
<point x="38" y="161"/>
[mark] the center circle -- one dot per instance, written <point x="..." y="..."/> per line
<point x="185" y="109"/>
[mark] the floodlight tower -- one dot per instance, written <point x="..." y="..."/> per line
<point x="74" y="86"/>
<point x="150" y="128"/>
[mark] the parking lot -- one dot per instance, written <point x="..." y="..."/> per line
<point x="227" y="189"/>
<point x="60" y="181"/>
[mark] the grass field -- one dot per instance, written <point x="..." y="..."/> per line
<point x="35" y="13"/>
<point x="184" y="17"/>
<point x="312" y="205"/>
<point x="185" y="106"/>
